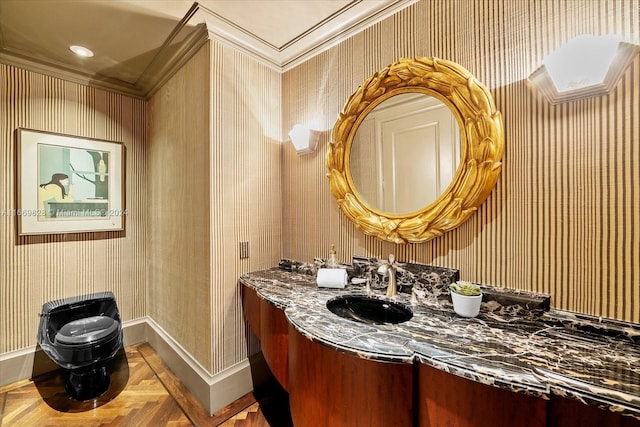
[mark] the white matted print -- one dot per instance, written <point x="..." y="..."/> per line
<point x="68" y="184"/>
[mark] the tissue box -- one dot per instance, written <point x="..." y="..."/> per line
<point x="332" y="278"/>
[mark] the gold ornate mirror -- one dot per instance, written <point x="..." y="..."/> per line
<point x="402" y="166"/>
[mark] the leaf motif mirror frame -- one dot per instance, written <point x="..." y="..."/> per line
<point x="482" y="141"/>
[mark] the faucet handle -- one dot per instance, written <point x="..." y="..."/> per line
<point x="392" y="258"/>
<point x="383" y="268"/>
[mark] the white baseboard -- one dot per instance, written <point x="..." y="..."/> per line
<point x="135" y="331"/>
<point x="212" y="391"/>
<point x="20" y="365"/>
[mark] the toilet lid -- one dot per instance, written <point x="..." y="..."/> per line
<point x="87" y="330"/>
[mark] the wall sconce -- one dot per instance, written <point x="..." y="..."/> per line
<point x="304" y="140"/>
<point x="585" y="66"/>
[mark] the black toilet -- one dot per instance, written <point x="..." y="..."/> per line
<point x="81" y="335"/>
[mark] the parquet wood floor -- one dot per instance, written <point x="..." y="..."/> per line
<point x="250" y="417"/>
<point x="143" y="392"/>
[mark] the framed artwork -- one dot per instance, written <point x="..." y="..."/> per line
<point x="68" y="184"/>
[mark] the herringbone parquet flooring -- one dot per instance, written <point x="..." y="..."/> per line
<point x="250" y="417"/>
<point x="143" y="392"/>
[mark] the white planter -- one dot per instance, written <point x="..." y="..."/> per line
<point x="466" y="306"/>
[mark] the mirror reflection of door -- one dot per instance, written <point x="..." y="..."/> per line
<point x="416" y="154"/>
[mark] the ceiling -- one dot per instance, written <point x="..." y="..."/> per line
<point x="138" y="44"/>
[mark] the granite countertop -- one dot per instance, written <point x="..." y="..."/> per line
<point x="536" y="352"/>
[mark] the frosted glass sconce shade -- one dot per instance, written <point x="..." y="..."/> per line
<point x="303" y="139"/>
<point x="585" y="66"/>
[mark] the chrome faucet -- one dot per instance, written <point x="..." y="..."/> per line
<point x="389" y="269"/>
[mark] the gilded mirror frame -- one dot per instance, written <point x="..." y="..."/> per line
<point x="482" y="143"/>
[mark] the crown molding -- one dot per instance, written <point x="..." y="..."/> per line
<point x="169" y="60"/>
<point x="61" y="71"/>
<point x="200" y="25"/>
<point x="184" y="41"/>
<point x="357" y="17"/>
<point x="293" y="60"/>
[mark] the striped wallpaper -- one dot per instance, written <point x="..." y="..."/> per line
<point x="246" y="192"/>
<point x="564" y="217"/>
<point x="178" y="270"/>
<point x="204" y="177"/>
<point x="36" y="269"/>
<point x="214" y="181"/>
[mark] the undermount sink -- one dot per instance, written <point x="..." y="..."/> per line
<point x="365" y="309"/>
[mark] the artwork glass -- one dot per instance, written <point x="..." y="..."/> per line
<point x="68" y="184"/>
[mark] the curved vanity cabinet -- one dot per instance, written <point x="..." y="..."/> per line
<point x="269" y="324"/>
<point x="251" y="308"/>
<point x="422" y="373"/>
<point x="346" y="390"/>
<point x="565" y="412"/>
<point x="274" y="341"/>
<point x="446" y="399"/>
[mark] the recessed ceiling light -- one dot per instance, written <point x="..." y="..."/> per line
<point x="81" y="51"/>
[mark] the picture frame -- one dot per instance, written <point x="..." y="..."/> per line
<point x="68" y="184"/>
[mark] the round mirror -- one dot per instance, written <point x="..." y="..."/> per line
<point x="415" y="150"/>
<point x="405" y="153"/>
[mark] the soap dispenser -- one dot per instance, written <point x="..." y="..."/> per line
<point x="332" y="262"/>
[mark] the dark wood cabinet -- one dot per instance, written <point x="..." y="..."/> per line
<point x="448" y="400"/>
<point x="563" y="412"/>
<point x="269" y="324"/>
<point x="274" y="341"/>
<point x="251" y="308"/>
<point x="330" y="388"/>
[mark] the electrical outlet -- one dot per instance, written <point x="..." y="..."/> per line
<point x="244" y="250"/>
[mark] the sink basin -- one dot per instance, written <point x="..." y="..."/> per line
<point x="365" y="309"/>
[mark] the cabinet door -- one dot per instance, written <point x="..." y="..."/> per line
<point x="563" y="412"/>
<point x="251" y="308"/>
<point x="330" y="388"/>
<point x="448" y="400"/>
<point x="274" y="341"/>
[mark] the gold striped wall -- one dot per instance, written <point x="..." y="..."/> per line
<point x="246" y="192"/>
<point x="178" y="271"/>
<point x="214" y="181"/>
<point x="37" y="269"/>
<point x="564" y="218"/>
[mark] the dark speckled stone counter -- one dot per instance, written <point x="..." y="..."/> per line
<point x="536" y="352"/>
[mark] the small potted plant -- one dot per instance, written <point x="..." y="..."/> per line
<point x="466" y="298"/>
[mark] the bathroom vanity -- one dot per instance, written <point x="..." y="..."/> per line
<point x="504" y="367"/>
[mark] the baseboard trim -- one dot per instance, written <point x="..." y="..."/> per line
<point x="21" y="364"/>
<point x="213" y="391"/>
